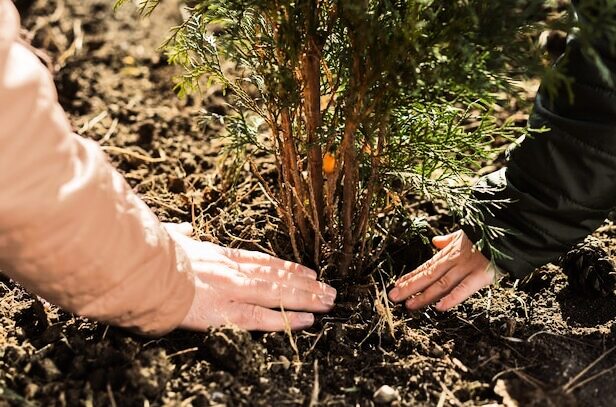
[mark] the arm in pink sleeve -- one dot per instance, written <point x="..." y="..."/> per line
<point x="71" y="229"/>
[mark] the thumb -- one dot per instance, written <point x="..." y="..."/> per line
<point x="440" y="242"/>
<point x="184" y="228"/>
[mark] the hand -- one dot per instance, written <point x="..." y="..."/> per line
<point x="455" y="273"/>
<point x="241" y="287"/>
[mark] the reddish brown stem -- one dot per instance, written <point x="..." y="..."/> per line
<point x="294" y="178"/>
<point x="312" y="111"/>
<point x="349" y="192"/>
<point x="375" y="160"/>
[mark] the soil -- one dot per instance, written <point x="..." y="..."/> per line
<point x="537" y="342"/>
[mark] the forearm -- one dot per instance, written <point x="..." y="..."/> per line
<point x="71" y="230"/>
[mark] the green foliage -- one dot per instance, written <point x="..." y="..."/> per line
<point x="389" y="88"/>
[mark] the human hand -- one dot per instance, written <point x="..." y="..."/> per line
<point x="452" y="275"/>
<point x="241" y="287"/>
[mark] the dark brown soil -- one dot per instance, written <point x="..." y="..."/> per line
<point x="518" y="344"/>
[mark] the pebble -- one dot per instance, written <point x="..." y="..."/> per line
<point x="385" y="395"/>
<point x="437" y="351"/>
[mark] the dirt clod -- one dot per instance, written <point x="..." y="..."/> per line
<point x="150" y="373"/>
<point x="589" y="268"/>
<point x="233" y="349"/>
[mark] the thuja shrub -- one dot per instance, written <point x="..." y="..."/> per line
<point x="368" y="105"/>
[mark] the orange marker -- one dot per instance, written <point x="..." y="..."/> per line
<point x="329" y="163"/>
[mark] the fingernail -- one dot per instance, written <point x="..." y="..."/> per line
<point x="410" y="302"/>
<point x="308" y="272"/>
<point x="393" y="294"/>
<point x="327" y="299"/>
<point x="305" y="318"/>
<point x="439" y="306"/>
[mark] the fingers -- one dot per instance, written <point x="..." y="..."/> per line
<point x="274" y="274"/>
<point x="270" y="285"/>
<point x="467" y="287"/>
<point x="256" y="318"/>
<point x="452" y="275"/>
<point x="297" y="293"/>
<point x="450" y="252"/>
<point x="441" y="242"/>
<point x="211" y="309"/>
<point x="436" y="291"/>
<point x="184" y="228"/>
<point x="262" y="259"/>
<point x="275" y="295"/>
<point x="422" y="277"/>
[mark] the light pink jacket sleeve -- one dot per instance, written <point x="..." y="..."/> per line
<point x="71" y="229"/>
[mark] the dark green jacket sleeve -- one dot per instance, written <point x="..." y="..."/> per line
<point x="561" y="182"/>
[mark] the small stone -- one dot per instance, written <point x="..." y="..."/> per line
<point x="385" y="395"/>
<point x="437" y="351"/>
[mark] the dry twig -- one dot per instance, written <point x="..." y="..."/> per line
<point x="133" y="154"/>
<point x="314" y="397"/>
<point x="575" y="383"/>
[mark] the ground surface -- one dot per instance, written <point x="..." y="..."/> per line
<point x="528" y="344"/>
